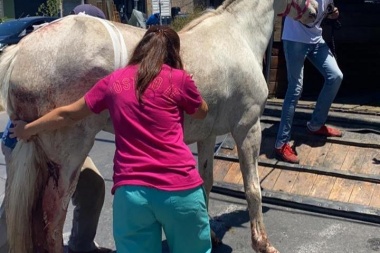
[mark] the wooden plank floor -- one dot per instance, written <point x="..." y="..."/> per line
<point x="363" y="160"/>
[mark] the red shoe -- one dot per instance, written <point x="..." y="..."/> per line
<point x="287" y="154"/>
<point x="327" y="131"/>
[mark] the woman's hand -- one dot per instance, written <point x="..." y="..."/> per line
<point x="19" y="130"/>
<point x="334" y="14"/>
<point x="57" y="118"/>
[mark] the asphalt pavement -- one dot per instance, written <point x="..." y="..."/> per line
<point x="290" y="230"/>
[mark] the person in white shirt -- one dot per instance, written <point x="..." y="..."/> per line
<point x="300" y="42"/>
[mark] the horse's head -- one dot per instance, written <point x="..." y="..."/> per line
<point x="303" y="10"/>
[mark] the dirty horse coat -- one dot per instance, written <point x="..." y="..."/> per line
<point x="58" y="63"/>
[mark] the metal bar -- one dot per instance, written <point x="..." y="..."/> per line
<point x="306" y="168"/>
<point x="332" y="109"/>
<point x="335" y="208"/>
<point x="358" y="127"/>
<point x="333" y="116"/>
<point x="350" y="123"/>
<point x="337" y="140"/>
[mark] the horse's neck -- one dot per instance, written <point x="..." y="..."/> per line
<point x="254" y="18"/>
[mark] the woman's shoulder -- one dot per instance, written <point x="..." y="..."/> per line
<point x="127" y="70"/>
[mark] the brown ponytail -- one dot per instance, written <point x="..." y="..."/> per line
<point x="160" y="45"/>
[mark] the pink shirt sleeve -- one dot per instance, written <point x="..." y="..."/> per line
<point x="96" y="97"/>
<point x="191" y="98"/>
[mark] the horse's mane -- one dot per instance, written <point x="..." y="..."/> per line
<point x="195" y="22"/>
<point x="208" y="13"/>
<point x="227" y="3"/>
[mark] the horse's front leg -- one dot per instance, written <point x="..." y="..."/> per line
<point x="248" y="146"/>
<point x="206" y="165"/>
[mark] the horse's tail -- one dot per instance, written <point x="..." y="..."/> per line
<point x="7" y="59"/>
<point x="25" y="187"/>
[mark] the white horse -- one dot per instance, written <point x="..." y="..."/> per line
<point x="58" y="63"/>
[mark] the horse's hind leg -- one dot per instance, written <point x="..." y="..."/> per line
<point x="55" y="200"/>
<point x="205" y="165"/>
<point x="248" y="146"/>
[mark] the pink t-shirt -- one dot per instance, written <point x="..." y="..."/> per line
<point x="150" y="148"/>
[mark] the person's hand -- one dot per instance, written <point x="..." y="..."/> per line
<point x="334" y="14"/>
<point x="19" y="130"/>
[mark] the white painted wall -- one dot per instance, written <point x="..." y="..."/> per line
<point x="165" y="7"/>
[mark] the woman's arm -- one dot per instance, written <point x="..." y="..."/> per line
<point x="202" y="111"/>
<point x="57" y="118"/>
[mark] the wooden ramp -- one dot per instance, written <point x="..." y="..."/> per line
<point x="336" y="175"/>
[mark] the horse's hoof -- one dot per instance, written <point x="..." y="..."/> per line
<point x="270" y="249"/>
<point x="273" y="250"/>
<point x="267" y="248"/>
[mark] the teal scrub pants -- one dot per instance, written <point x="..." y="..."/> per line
<point x="141" y="213"/>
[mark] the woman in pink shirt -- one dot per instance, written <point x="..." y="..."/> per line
<point x="156" y="183"/>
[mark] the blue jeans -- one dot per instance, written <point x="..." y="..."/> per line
<point x="321" y="57"/>
<point x="141" y="213"/>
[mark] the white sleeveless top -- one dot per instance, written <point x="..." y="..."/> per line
<point x="295" y="31"/>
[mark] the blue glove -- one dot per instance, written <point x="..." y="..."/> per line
<point x="6" y="139"/>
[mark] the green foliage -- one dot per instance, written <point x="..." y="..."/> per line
<point x="50" y="8"/>
<point x="179" y="22"/>
<point x="4" y="19"/>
